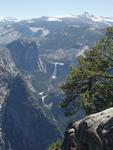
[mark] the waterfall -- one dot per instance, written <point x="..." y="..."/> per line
<point x="43" y="99"/>
<point x="54" y="75"/>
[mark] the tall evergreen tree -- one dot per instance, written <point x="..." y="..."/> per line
<point x="90" y="84"/>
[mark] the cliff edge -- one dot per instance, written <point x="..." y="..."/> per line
<point x="94" y="132"/>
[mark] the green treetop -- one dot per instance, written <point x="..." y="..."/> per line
<point x="90" y="84"/>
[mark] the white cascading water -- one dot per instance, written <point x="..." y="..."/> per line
<point x="41" y="93"/>
<point x="43" y="97"/>
<point x="55" y="69"/>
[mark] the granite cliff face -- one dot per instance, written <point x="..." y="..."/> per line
<point x="94" y="132"/>
<point x="24" y="54"/>
<point x="24" y="124"/>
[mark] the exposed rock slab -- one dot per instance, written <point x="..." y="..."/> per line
<point x="94" y="132"/>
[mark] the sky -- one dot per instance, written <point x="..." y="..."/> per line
<point x="24" y="9"/>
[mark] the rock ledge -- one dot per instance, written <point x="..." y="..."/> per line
<point x="94" y="132"/>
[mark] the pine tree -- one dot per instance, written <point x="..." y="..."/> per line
<point x="90" y="84"/>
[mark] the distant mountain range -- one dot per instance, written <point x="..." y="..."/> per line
<point x="85" y="17"/>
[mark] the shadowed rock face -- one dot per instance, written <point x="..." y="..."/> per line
<point x="95" y="132"/>
<point x="24" y="54"/>
<point x="23" y="124"/>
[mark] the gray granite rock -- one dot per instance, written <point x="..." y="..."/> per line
<point x="94" y="132"/>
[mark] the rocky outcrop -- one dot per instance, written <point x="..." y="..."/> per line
<point x="23" y="123"/>
<point x="94" y="132"/>
<point x="25" y="55"/>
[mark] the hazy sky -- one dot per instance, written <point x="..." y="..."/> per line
<point x="37" y="8"/>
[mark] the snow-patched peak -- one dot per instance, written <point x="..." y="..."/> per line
<point x="60" y="18"/>
<point x="10" y="19"/>
<point x="110" y="19"/>
<point x="70" y="16"/>
<point x="83" y="16"/>
<point x="97" y="18"/>
<point x="54" y="19"/>
<point x="91" y="17"/>
<point x="101" y="19"/>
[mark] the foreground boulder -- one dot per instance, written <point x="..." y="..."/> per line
<point x="94" y="132"/>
